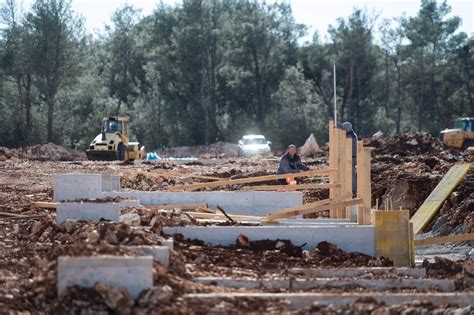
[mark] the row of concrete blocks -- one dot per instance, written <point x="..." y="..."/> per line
<point x="135" y="274"/>
<point x="308" y="299"/>
<point x="290" y="283"/>
<point x="70" y="187"/>
<point x="90" y="186"/>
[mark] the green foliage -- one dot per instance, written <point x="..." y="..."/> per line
<point x="210" y="70"/>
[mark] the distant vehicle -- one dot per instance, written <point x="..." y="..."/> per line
<point x="461" y="137"/>
<point x="253" y="145"/>
<point x="113" y="142"/>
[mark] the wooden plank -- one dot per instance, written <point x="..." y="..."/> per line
<point x="333" y="192"/>
<point x="167" y="174"/>
<point x="392" y="236"/>
<point x="190" y="206"/>
<point x="445" y="239"/>
<point x="341" y="134"/>
<point x="257" y="179"/>
<point x="43" y="205"/>
<point x="364" y="189"/>
<point x="367" y="180"/>
<point x="16" y="216"/>
<point x="313" y="207"/>
<point x="360" y="186"/>
<point x="437" y="197"/>
<point x="201" y="215"/>
<point x="348" y="170"/>
<point x="290" y="187"/>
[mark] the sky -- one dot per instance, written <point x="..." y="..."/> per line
<point x="316" y="14"/>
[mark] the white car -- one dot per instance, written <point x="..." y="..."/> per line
<point x="253" y="145"/>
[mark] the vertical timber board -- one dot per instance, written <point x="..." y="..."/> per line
<point x="348" y="170"/>
<point x="341" y="135"/>
<point x="392" y="236"/>
<point x="360" y="180"/>
<point x="367" y="183"/>
<point x="332" y="164"/>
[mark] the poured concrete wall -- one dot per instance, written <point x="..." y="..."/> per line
<point x="93" y="186"/>
<point x="132" y="273"/>
<point x="348" y="238"/>
<point x="242" y="202"/>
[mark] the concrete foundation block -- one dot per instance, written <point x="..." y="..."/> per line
<point x="159" y="253"/>
<point x="348" y="238"/>
<point x="110" y="182"/>
<point x="129" y="203"/>
<point x="354" y="272"/>
<point x="131" y="273"/>
<point x="238" y="202"/>
<point x="69" y="187"/>
<point x="302" y="300"/>
<point x="87" y="211"/>
<point x="444" y="285"/>
<point x="168" y="242"/>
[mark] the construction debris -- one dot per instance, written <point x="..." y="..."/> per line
<point x="310" y="147"/>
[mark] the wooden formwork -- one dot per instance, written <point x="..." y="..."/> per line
<point x="340" y="158"/>
<point x="341" y="199"/>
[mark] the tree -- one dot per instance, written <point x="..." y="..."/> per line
<point x="17" y="65"/>
<point x="431" y="34"/>
<point x="296" y="112"/>
<point x="54" y="33"/>
<point x="356" y="67"/>
<point x="122" y="62"/>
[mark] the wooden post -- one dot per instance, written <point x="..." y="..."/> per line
<point x="333" y="178"/>
<point x="341" y="135"/>
<point x="392" y="236"/>
<point x="412" y="244"/>
<point x="363" y="183"/>
<point x="348" y="170"/>
<point x="367" y="183"/>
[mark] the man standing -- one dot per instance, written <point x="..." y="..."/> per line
<point x="291" y="163"/>
<point x="347" y="126"/>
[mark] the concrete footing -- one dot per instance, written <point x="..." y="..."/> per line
<point x="325" y="283"/>
<point x="301" y="300"/>
<point x="353" y="272"/>
<point x="87" y="211"/>
<point x="348" y="238"/>
<point x="69" y="187"/>
<point x="159" y="253"/>
<point x="132" y="273"/>
<point x="93" y="211"/>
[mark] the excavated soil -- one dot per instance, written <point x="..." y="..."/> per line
<point x="402" y="172"/>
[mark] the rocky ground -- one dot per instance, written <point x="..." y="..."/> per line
<point x="405" y="169"/>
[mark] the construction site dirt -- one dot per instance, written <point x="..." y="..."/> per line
<point x="405" y="169"/>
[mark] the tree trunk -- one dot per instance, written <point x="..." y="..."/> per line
<point x="50" y="103"/>
<point x="28" y="103"/>
<point x="398" y="118"/>
<point x="259" y="86"/>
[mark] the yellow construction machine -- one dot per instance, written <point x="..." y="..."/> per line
<point x="461" y="137"/>
<point x="113" y="142"/>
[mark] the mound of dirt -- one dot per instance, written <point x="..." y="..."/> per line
<point x="42" y="152"/>
<point x="406" y="144"/>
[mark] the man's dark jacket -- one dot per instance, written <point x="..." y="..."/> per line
<point x="291" y="165"/>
